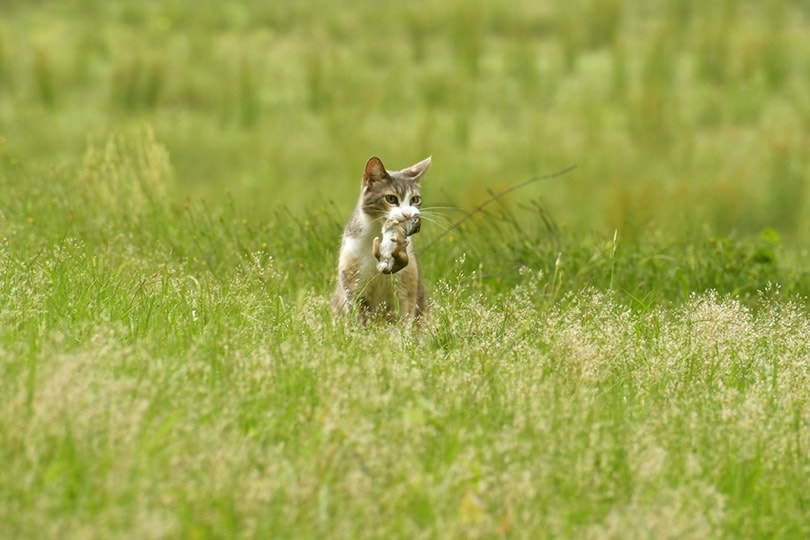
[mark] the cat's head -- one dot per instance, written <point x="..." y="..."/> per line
<point x="392" y="194"/>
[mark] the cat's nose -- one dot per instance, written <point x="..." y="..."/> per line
<point x="407" y="214"/>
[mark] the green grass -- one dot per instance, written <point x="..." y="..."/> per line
<point x="618" y="352"/>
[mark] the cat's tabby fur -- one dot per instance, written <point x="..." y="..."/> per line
<point x="361" y="287"/>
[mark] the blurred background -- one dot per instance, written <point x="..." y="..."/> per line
<point x="679" y="114"/>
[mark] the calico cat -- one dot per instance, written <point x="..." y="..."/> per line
<point x="380" y="277"/>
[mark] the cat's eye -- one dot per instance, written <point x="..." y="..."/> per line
<point x="391" y="199"/>
<point x="416" y="199"/>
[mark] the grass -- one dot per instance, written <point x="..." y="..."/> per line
<point x="618" y="352"/>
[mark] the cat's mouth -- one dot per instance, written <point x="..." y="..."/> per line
<point x="412" y="224"/>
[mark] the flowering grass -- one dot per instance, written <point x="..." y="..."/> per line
<point x="174" y="371"/>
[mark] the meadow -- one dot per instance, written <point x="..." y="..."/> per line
<point x="620" y="351"/>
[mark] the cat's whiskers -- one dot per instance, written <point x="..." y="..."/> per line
<point x="428" y="215"/>
<point x="456" y="208"/>
<point x="438" y="218"/>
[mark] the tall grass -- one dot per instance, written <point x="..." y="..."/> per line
<point x="172" y="369"/>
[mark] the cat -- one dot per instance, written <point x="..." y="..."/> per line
<point x="367" y="285"/>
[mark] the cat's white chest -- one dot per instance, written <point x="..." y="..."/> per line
<point x="369" y="283"/>
<point x="359" y="248"/>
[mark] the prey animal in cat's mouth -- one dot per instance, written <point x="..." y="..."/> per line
<point x="391" y="251"/>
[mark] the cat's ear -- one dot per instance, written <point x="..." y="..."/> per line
<point x="415" y="172"/>
<point x="375" y="172"/>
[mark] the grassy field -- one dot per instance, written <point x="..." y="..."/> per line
<point x="622" y="351"/>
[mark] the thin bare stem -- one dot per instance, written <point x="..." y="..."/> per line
<point x="494" y="197"/>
